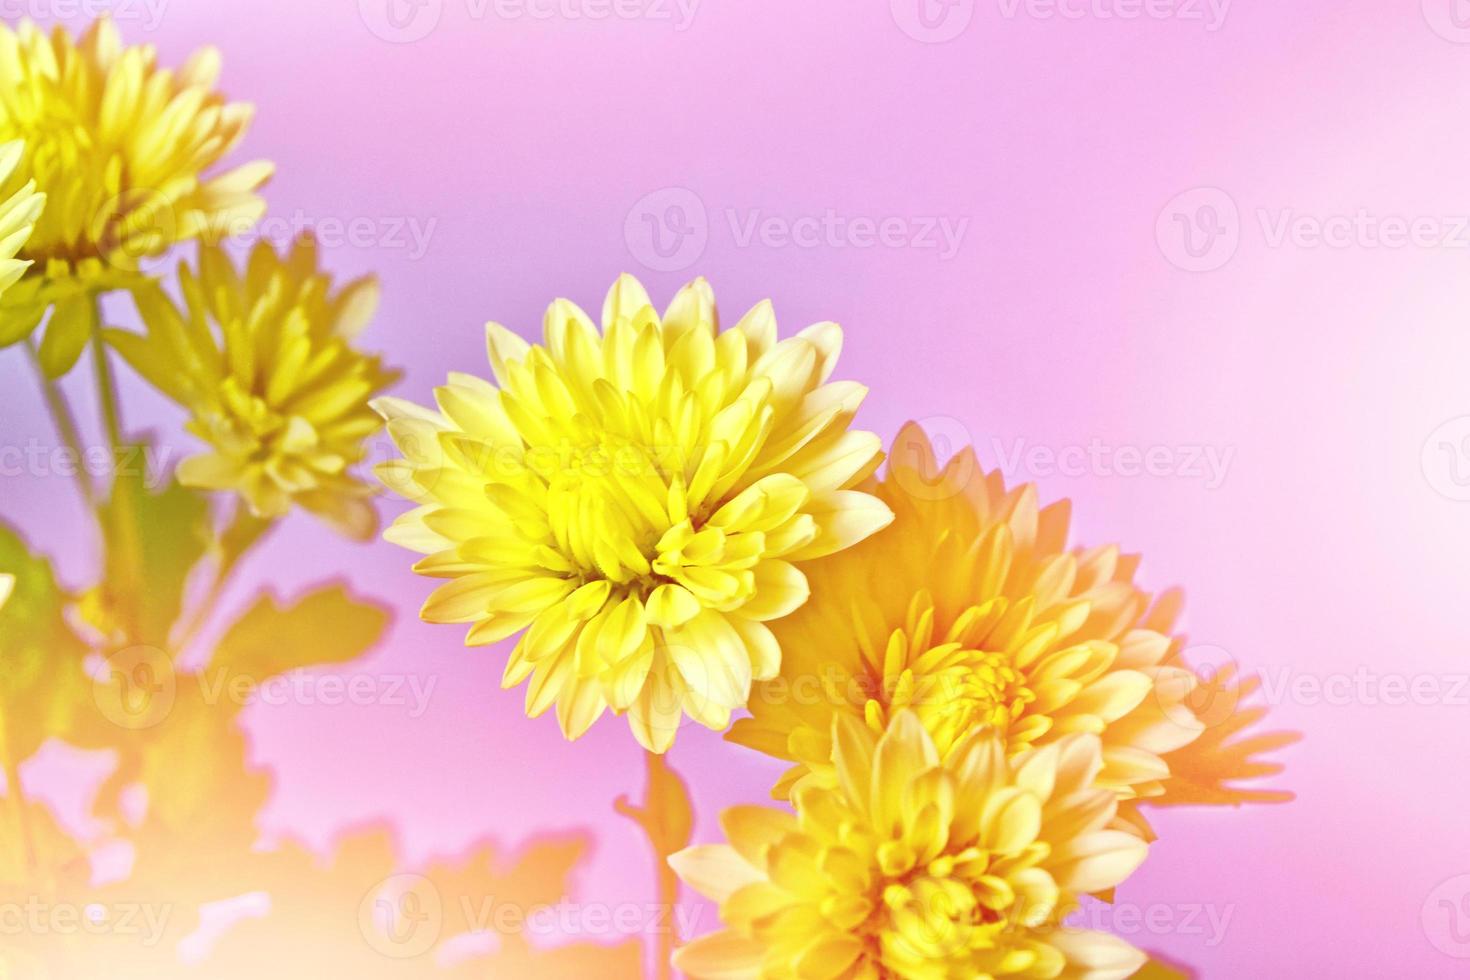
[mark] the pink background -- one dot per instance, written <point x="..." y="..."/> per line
<point x="1062" y="318"/>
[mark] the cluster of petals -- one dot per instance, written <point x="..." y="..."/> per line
<point x="125" y="151"/>
<point x="18" y="213"/>
<point x="919" y="866"/>
<point x="639" y="498"/>
<point x="263" y="358"/>
<point x="972" y="612"/>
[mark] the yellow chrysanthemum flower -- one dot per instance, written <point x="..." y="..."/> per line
<point x="972" y="611"/>
<point x="120" y="146"/>
<point x="275" y="387"/>
<point x="18" y="214"/>
<point x="919" y="865"/>
<point x="639" y="498"/>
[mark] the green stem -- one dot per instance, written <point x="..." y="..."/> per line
<point x="123" y="506"/>
<point x="666" y="879"/>
<point x="65" y="422"/>
<point x="17" y="797"/>
<point x="106" y="386"/>
<point x="244" y="532"/>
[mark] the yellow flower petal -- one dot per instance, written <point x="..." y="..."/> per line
<point x="715" y="871"/>
<point x="649" y="461"/>
<point x="870" y="877"/>
<point x="123" y="149"/>
<point x="720" y="956"/>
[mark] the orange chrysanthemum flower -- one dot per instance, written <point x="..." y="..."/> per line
<point x="972" y="611"/>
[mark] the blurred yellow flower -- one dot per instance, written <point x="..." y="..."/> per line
<point x="18" y="214"/>
<point x="120" y="146"/>
<point x="972" y="611"/>
<point x="639" y="498"/>
<point x="276" y="387"/>
<point x="919" y="866"/>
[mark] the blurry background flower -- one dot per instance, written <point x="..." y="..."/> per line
<point x="204" y="892"/>
<point x="18" y="214"/>
<point x="640" y="499"/>
<point x="121" y="148"/>
<point x="973" y="611"/>
<point x="263" y="359"/>
<point x="917" y="866"/>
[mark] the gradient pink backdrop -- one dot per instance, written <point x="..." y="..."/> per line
<point x="1062" y="318"/>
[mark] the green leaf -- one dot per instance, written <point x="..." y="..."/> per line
<point x="44" y="687"/>
<point x="666" y="816"/>
<point x="71" y="325"/>
<point x="242" y="534"/>
<point x="327" y="626"/>
<point x="142" y="355"/>
<point x="152" y="542"/>
<point x="21" y="311"/>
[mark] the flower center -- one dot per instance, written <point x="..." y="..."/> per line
<point x="617" y="510"/>
<point x="954" y="685"/>
<point x="941" y="911"/>
<point x="106" y="220"/>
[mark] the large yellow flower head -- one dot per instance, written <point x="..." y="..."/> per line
<point x="640" y="497"/>
<point x="264" y="361"/>
<point x="18" y="214"/>
<point x="972" y="611"/>
<point x="121" y="147"/>
<point x="919" y="866"/>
